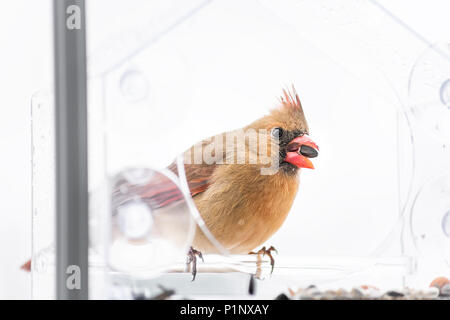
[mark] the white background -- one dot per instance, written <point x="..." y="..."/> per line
<point x="26" y="67"/>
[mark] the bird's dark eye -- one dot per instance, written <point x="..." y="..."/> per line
<point x="276" y="133"/>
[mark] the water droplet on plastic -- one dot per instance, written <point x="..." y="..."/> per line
<point x="134" y="86"/>
<point x="134" y="220"/>
<point x="446" y="224"/>
<point x="138" y="176"/>
<point x="123" y="189"/>
<point x="445" y="93"/>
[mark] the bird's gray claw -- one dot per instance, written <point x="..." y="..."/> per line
<point x="263" y="251"/>
<point x="192" y="260"/>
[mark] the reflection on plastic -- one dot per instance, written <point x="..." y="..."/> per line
<point x="147" y="235"/>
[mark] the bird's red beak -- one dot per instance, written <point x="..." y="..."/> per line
<point x="300" y="150"/>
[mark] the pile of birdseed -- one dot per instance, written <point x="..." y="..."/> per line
<point x="438" y="290"/>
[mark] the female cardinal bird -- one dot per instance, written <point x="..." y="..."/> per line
<point x="242" y="194"/>
<point x="241" y="204"/>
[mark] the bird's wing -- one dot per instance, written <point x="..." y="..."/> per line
<point x="198" y="176"/>
<point x="160" y="191"/>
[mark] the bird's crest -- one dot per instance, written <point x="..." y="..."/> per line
<point x="290" y="100"/>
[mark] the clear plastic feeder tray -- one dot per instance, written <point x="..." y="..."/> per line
<point x="169" y="73"/>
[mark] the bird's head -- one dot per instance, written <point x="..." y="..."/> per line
<point x="289" y="130"/>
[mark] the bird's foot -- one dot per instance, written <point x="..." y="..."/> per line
<point x="263" y="251"/>
<point x="192" y="261"/>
